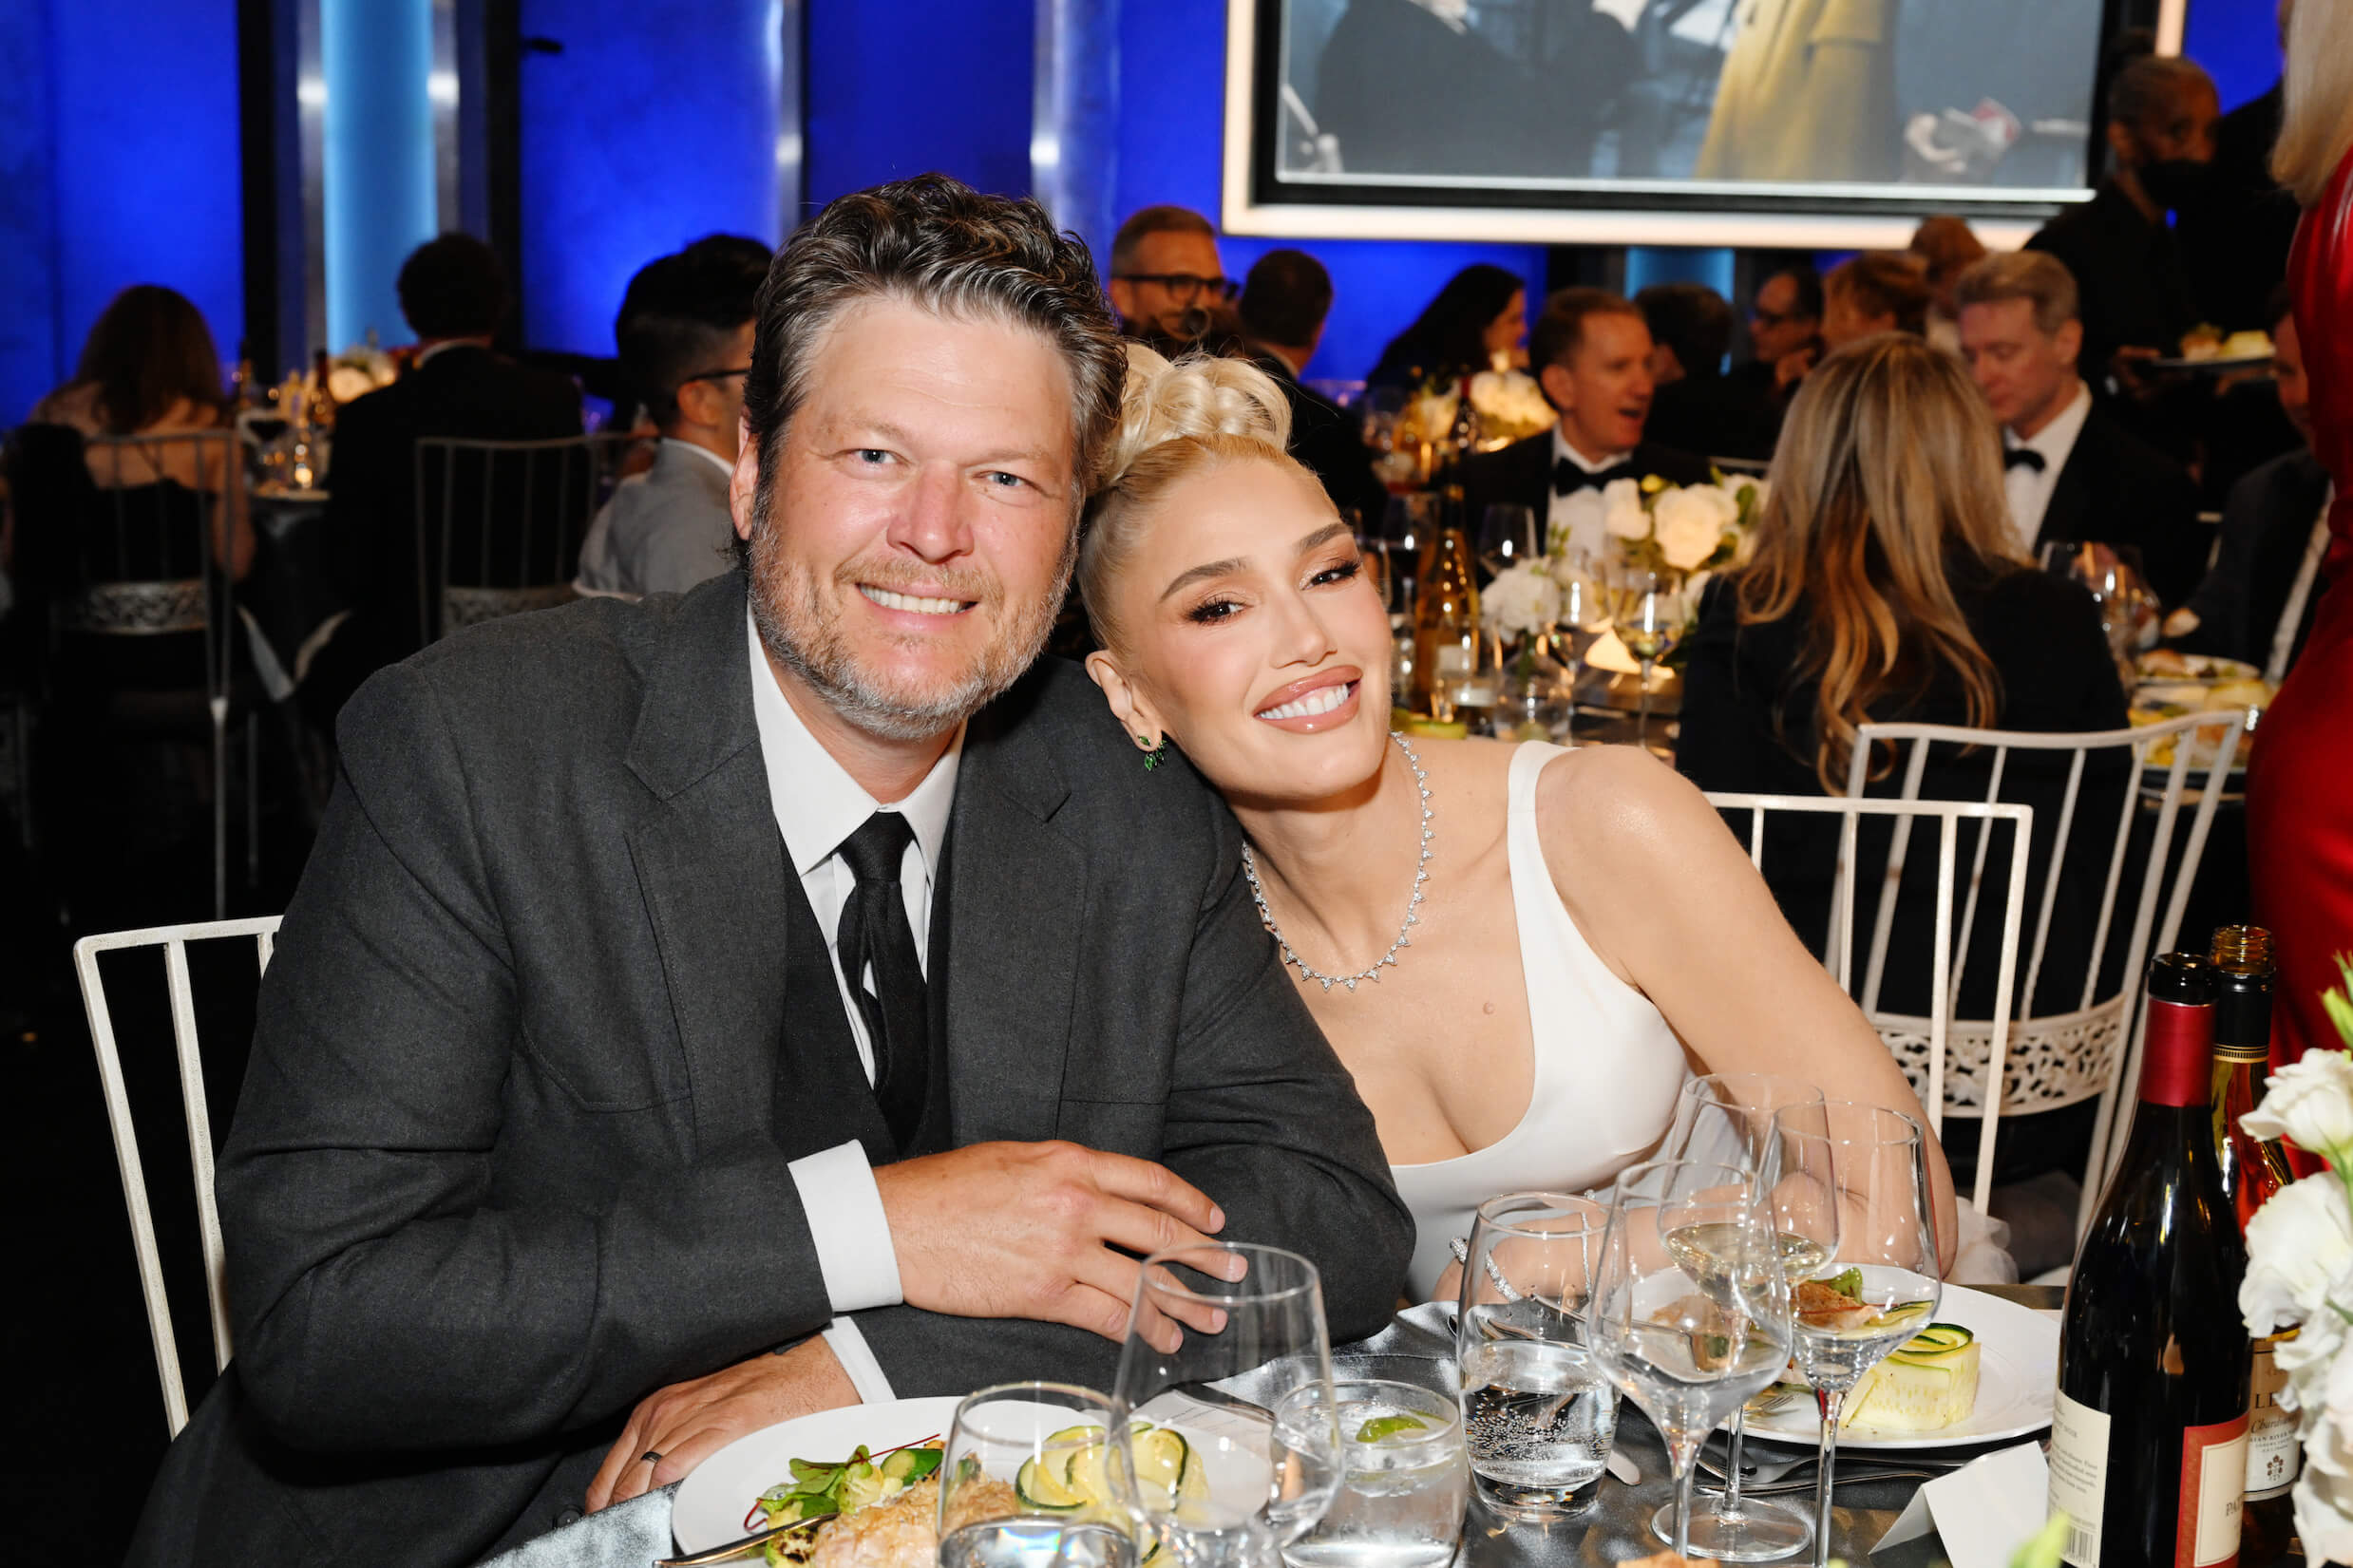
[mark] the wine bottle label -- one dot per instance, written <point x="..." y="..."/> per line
<point x="2079" y="1462"/>
<point x="2272" y="1455"/>
<point x="2214" y="1489"/>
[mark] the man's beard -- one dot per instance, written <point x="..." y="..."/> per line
<point x="802" y="630"/>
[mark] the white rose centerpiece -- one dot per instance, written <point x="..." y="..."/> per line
<point x="1685" y="533"/>
<point x="2300" y="1275"/>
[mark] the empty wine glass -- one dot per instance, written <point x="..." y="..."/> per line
<point x="1539" y="1415"/>
<point x="1735" y="1119"/>
<point x="1691" y="1315"/>
<point x="1026" y="1480"/>
<point x="1646" y="610"/>
<point x="1881" y="1285"/>
<point x="1507" y="535"/>
<point x="1227" y="1477"/>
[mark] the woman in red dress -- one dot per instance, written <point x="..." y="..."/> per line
<point x="2300" y="787"/>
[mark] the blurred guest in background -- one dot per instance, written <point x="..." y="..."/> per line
<point x="1875" y="291"/>
<point x="1808" y="93"/>
<point x="1785" y="337"/>
<point x="1696" y="407"/>
<point x="1480" y="313"/>
<point x="1591" y="353"/>
<point x="2124" y="257"/>
<point x="2234" y="239"/>
<point x="2299" y="812"/>
<point x="453" y="292"/>
<point x="1886" y="585"/>
<point x="685" y="338"/>
<point x="2258" y="601"/>
<point x="2073" y="471"/>
<point x="1168" y="282"/>
<point x="1474" y="109"/>
<point x="1284" y="302"/>
<point x="1946" y="246"/>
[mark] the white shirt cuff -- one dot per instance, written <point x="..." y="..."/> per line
<point x="857" y="1359"/>
<point x="846" y="1226"/>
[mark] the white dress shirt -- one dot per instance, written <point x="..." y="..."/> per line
<point x="817" y="806"/>
<point x="2030" y="491"/>
<point x="1556" y="518"/>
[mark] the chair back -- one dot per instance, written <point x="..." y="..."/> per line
<point x="1928" y="1072"/>
<point x="2069" y="1054"/>
<point x="499" y="525"/>
<point x="144" y="554"/>
<point x="173" y="941"/>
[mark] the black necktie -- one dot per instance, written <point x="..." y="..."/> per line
<point x="877" y="948"/>
<point x="2023" y="457"/>
<point x="1568" y="478"/>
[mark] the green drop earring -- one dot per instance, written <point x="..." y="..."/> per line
<point x="1155" y="752"/>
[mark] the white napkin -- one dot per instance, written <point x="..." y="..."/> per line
<point x="1980" y="1511"/>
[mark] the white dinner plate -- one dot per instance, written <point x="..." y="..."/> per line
<point x="2215" y="362"/>
<point x="711" y="1504"/>
<point x="2016" y="1375"/>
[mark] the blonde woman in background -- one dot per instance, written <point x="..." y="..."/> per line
<point x="2299" y="812"/>
<point x="1519" y="951"/>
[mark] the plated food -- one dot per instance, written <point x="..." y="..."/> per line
<point x="2206" y="341"/>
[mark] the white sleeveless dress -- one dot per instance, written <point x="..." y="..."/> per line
<point x="1607" y="1068"/>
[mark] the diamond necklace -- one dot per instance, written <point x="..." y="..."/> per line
<point x="1422" y="875"/>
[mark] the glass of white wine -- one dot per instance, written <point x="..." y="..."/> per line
<point x="1646" y="610"/>
<point x="1880" y="1286"/>
<point x="1691" y="1316"/>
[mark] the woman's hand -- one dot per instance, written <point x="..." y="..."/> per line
<point x="1710" y="948"/>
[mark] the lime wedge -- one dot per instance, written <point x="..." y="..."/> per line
<point x="1382" y="1427"/>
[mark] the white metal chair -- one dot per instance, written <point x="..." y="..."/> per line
<point x="174" y="940"/>
<point x="2061" y="1059"/>
<point x="1934" y="1083"/>
<point x="501" y="523"/>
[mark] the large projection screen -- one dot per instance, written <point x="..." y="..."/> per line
<point x="1803" y="122"/>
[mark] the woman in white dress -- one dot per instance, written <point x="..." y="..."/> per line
<point x="1519" y="951"/>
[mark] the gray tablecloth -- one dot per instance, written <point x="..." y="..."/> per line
<point x="1415" y="1349"/>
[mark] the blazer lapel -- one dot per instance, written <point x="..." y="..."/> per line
<point x="1017" y="890"/>
<point x="711" y="864"/>
<point x="2069" y="511"/>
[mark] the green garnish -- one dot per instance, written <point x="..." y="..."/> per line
<point x="1848" y="1283"/>
<point x="1390" y="1426"/>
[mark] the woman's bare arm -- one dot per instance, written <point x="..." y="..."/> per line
<point x="1668" y="898"/>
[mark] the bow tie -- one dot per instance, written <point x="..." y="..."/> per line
<point x="2023" y="457"/>
<point x="1568" y="478"/>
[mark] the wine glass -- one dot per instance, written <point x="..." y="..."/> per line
<point x="1539" y="1415"/>
<point x="1646" y="609"/>
<point x="1735" y="1119"/>
<point x="1227" y="1477"/>
<point x="1882" y="1286"/>
<point x="1507" y="535"/>
<point x="1691" y="1315"/>
<point x="1584" y="613"/>
<point x="1026" y="1480"/>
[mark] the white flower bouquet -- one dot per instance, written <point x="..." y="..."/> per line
<point x="2300" y="1276"/>
<point x="1684" y="533"/>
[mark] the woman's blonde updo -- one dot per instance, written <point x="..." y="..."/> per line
<point x="1176" y="418"/>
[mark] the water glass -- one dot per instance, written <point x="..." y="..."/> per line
<point x="1403" y="1482"/>
<point x="1691" y="1311"/>
<point x="1024" y="1483"/>
<point x="1539" y="1413"/>
<point x="1223" y="1485"/>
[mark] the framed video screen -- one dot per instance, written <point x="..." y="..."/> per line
<point x="1820" y="123"/>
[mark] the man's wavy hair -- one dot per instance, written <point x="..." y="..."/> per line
<point x="936" y="243"/>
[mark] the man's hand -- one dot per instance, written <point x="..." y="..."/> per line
<point x="1791" y="368"/>
<point x="689" y="1422"/>
<point x="1026" y="1230"/>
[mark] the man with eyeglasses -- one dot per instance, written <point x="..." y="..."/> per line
<point x="1168" y="282"/>
<point x="685" y="337"/>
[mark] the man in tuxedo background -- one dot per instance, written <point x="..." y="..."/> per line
<point x="1284" y="302"/>
<point x="605" y="1103"/>
<point x="2257" y="603"/>
<point x="1591" y="352"/>
<point x="453" y="295"/>
<point x="2071" y="471"/>
<point x="1168" y="282"/>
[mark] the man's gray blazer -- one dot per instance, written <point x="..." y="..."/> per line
<point x="503" y="1163"/>
<point x="664" y="531"/>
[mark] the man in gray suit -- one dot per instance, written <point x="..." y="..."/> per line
<point x="604" y="1104"/>
<point x="685" y="335"/>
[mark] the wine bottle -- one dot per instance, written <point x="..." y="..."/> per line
<point x="2149" y="1437"/>
<point x="1445" y="622"/>
<point x="2252" y="1170"/>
